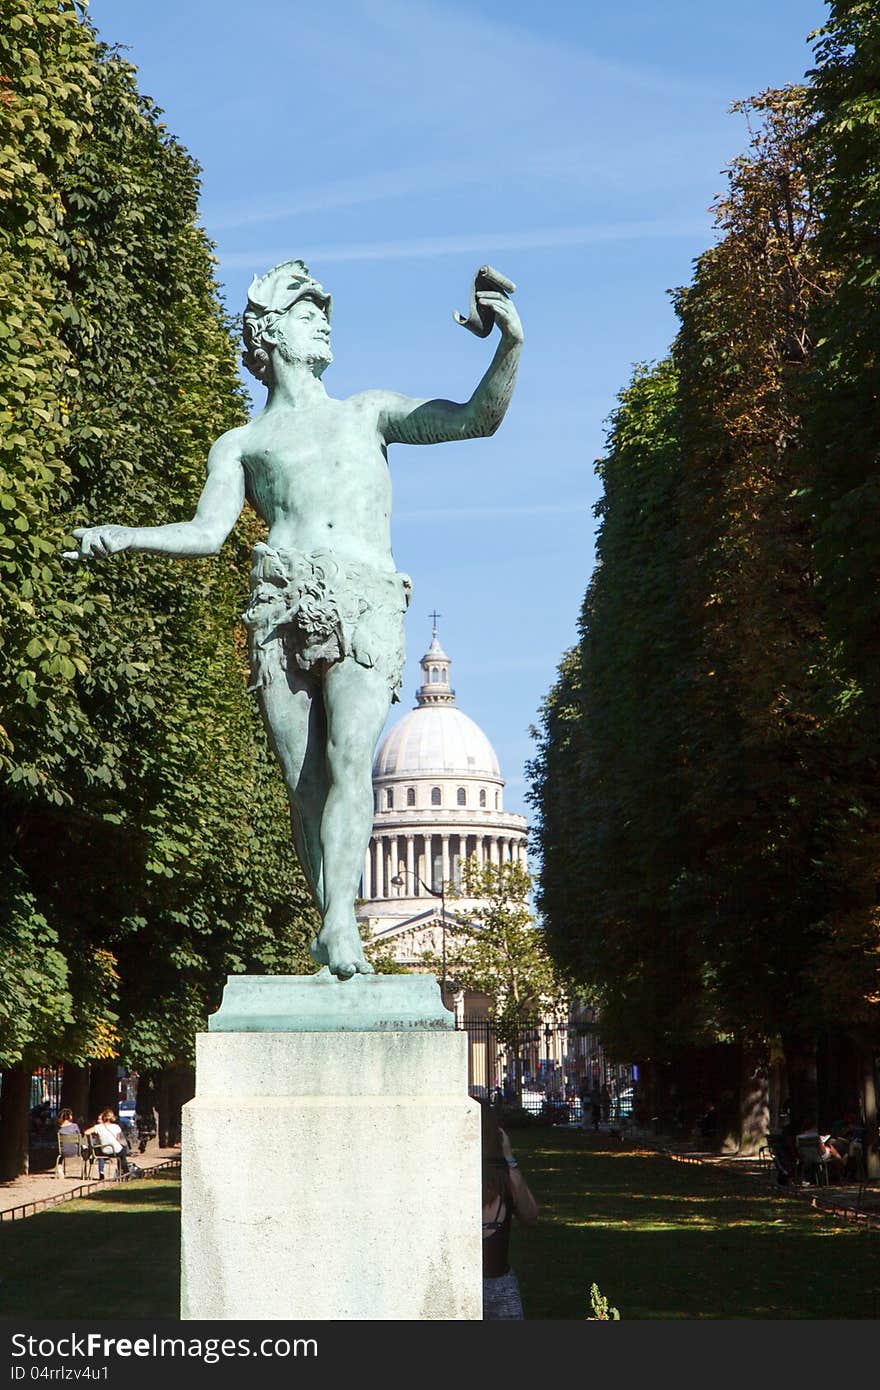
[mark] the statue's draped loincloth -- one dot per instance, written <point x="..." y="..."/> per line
<point x="312" y="610"/>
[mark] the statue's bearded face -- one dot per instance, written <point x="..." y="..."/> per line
<point x="302" y="335"/>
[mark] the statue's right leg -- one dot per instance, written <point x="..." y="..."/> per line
<point x="293" y="711"/>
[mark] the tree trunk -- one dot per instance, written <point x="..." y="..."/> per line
<point x="177" y="1085"/>
<point x="803" y="1084"/>
<point x="75" y="1092"/>
<point x="754" y="1107"/>
<point x="869" y="1113"/>
<point x="15" y="1108"/>
<point x="777" y="1085"/>
<point x="839" y="1076"/>
<point x="103" y="1089"/>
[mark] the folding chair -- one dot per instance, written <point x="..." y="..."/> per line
<point x="780" y="1163"/>
<point x="95" y="1155"/>
<point x="69" y="1147"/>
<point x="814" y="1165"/>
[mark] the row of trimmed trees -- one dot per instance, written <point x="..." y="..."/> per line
<point x="706" y="779"/>
<point x="144" y="833"/>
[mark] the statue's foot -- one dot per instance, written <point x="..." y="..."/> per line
<point x="318" y="952"/>
<point x="341" y="950"/>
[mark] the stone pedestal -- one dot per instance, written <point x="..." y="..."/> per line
<point x="331" y="1172"/>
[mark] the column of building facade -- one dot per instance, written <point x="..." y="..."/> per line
<point x="402" y="889"/>
<point x="387" y="865"/>
<point x="411" y="881"/>
<point x="444" y="858"/>
<point x="367" y="886"/>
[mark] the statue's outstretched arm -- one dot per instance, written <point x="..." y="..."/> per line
<point x="218" y="509"/>
<point x="405" y="420"/>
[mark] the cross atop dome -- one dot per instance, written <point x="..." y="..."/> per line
<point x="435" y="688"/>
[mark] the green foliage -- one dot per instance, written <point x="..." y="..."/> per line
<point x="708" y="830"/>
<point x="842" y="419"/>
<point x="845" y="387"/>
<point x="379" y="954"/>
<point x="600" y="1311"/>
<point x="757" y="748"/>
<point x="497" y="949"/>
<point x="139" y="801"/>
<point x="607" y="777"/>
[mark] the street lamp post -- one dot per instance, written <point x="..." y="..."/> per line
<point x="398" y="881"/>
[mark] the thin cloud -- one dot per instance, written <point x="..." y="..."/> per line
<point x="418" y="248"/>
<point x="447" y="32"/>
<point x="376" y="187"/>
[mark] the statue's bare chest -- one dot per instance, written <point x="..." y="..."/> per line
<point x="303" y="458"/>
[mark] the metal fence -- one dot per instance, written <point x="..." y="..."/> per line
<point x="545" y="1068"/>
<point x="46" y="1087"/>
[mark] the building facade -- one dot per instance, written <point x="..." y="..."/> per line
<point x="438" y="797"/>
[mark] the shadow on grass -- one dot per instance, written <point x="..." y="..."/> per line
<point x="661" y="1239"/>
<point x="113" y="1256"/>
<point x="669" y="1240"/>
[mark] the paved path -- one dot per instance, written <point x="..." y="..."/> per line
<point x="36" y="1191"/>
<point x="859" y="1201"/>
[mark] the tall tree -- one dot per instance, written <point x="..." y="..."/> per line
<point x="705" y="746"/>
<point x="607" y="779"/>
<point x="842" y="420"/>
<point x="499" y="950"/>
<point x="758" y="750"/>
<point x="144" y="822"/>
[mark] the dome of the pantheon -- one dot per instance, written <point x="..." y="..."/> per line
<point x="436" y="740"/>
<point x="438" y="801"/>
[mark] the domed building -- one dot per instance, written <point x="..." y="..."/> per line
<point x="439" y="800"/>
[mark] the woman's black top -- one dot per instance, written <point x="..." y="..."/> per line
<point x="496" y="1240"/>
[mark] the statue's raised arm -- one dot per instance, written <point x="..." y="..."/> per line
<point x="406" y="420"/>
<point x="218" y="509"/>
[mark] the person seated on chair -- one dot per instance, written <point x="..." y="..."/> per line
<point x="110" y="1140"/>
<point x="848" y="1137"/>
<point x="828" y="1154"/>
<point x="69" y="1131"/>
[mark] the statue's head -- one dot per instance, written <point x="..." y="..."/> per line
<point x="287" y="312"/>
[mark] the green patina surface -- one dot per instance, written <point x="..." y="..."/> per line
<point x="325" y="617"/>
<point x="322" y="1003"/>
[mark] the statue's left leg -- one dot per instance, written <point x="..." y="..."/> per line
<point x="356" y="703"/>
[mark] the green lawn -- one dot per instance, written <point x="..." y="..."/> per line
<point x="661" y="1239"/>
<point x="677" y="1240"/>
<point x="116" y="1256"/>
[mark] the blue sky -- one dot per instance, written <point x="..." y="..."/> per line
<point x="397" y="145"/>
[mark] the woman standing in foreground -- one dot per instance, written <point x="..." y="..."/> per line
<point x="505" y="1193"/>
